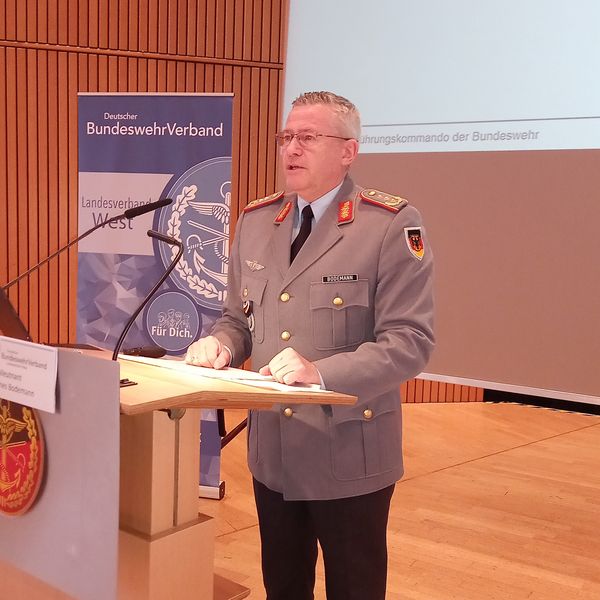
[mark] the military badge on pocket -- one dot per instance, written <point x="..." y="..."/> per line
<point x="249" y="313"/>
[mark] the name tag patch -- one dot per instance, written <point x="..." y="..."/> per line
<point x="338" y="278"/>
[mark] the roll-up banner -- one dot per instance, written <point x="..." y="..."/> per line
<point x="135" y="149"/>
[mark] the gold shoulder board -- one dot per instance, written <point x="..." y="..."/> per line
<point x="392" y="203"/>
<point x="263" y="201"/>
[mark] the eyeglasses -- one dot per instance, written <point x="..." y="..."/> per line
<point x="305" y="138"/>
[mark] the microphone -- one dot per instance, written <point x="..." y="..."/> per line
<point x="130" y="213"/>
<point x="146" y="351"/>
<point x="142" y="209"/>
<point x="167" y="240"/>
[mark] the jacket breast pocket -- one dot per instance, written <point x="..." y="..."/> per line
<point x="339" y="313"/>
<point x="252" y="292"/>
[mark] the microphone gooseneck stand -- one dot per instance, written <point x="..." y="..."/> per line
<point x="130" y="213"/>
<point x="172" y="242"/>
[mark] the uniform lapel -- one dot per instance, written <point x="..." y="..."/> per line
<point x="281" y="239"/>
<point x="324" y="235"/>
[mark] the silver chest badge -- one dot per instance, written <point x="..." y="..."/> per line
<point x="254" y="266"/>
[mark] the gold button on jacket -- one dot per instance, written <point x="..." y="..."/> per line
<point x="285" y="335"/>
<point x="288" y="412"/>
<point x="368" y="413"/>
<point x="284" y="297"/>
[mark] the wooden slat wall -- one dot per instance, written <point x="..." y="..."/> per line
<point x="419" y="390"/>
<point x="52" y="49"/>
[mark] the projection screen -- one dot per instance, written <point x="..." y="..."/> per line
<point x="486" y="117"/>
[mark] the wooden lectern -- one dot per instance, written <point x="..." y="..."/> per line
<point x="166" y="548"/>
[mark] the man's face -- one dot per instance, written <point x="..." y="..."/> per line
<point x="314" y="170"/>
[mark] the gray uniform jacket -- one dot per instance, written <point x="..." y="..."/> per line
<point x="358" y="302"/>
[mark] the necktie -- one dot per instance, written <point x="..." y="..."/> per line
<point x="305" y="226"/>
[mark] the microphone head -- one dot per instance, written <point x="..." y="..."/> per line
<point x="136" y="211"/>
<point x="145" y="351"/>
<point x="162" y="202"/>
<point x="157" y="235"/>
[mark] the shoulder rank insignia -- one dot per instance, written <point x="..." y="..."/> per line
<point x="392" y="203"/>
<point x="263" y="201"/>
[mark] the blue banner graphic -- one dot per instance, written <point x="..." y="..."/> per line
<point x="135" y="149"/>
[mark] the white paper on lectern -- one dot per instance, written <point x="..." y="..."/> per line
<point x="251" y="378"/>
<point x="28" y="373"/>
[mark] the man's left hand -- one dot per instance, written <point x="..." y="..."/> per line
<point x="290" y="367"/>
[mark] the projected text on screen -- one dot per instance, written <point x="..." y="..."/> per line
<point x="437" y="76"/>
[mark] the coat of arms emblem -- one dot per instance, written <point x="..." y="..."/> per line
<point x="200" y="218"/>
<point x="21" y="457"/>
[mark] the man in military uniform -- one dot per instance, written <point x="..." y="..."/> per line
<point x="329" y="284"/>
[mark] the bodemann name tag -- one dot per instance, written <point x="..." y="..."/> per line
<point x="338" y="278"/>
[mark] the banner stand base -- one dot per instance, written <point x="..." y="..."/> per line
<point x="211" y="491"/>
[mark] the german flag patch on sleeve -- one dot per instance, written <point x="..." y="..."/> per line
<point x="414" y="241"/>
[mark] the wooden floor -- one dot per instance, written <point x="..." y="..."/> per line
<point x="499" y="502"/>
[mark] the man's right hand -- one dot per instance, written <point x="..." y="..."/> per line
<point x="208" y="352"/>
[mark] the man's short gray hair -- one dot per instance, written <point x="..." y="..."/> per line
<point x="344" y="109"/>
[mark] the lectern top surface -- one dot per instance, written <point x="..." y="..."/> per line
<point x="162" y="388"/>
